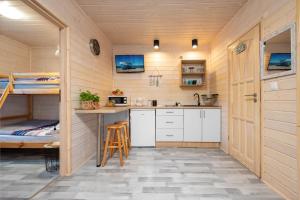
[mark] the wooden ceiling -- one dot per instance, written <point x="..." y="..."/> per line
<point x="34" y="30"/>
<point x="170" y="21"/>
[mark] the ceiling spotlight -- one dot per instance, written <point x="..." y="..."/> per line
<point x="8" y="11"/>
<point x="195" y="43"/>
<point x="156" y="44"/>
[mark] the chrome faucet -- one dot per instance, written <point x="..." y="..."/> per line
<point x="198" y="99"/>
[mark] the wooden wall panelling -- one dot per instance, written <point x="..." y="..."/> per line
<point x="86" y="72"/>
<point x="14" y="56"/>
<point x="279" y="155"/>
<point x="165" y="62"/>
<point x="276" y="129"/>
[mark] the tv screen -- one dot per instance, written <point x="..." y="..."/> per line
<point x="129" y="63"/>
<point x="280" y="61"/>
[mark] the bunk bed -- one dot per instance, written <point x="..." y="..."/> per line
<point x="28" y="132"/>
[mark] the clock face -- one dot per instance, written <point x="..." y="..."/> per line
<point x="95" y="47"/>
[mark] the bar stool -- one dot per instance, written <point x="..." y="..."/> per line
<point x="126" y="131"/>
<point x="114" y="140"/>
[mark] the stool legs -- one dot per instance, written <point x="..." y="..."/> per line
<point x="120" y="146"/>
<point x="125" y="142"/>
<point x="128" y="136"/>
<point x="106" y="148"/>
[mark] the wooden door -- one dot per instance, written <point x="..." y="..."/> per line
<point x="244" y="119"/>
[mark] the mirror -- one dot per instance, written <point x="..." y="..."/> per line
<point x="278" y="53"/>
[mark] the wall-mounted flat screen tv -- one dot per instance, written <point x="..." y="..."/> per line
<point x="129" y="63"/>
<point x="280" y="61"/>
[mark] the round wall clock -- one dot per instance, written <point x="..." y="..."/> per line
<point x="95" y="47"/>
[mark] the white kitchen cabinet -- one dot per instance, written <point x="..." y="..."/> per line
<point x="202" y="125"/>
<point x="192" y="125"/>
<point x="169" y="125"/>
<point x="142" y="127"/>
<point x="211" y="125"/>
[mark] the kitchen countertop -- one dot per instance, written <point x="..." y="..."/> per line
<point x="174" y="107"/>
<point x="104" y="110"/>
<point x="111" y="110"/>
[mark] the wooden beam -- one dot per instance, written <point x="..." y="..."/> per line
<point x="13" y="117"/>
<point x="5" y="94"/>
<point x="34" y="4"/>
<point x="23" y="145"/>
<point x="35" y="74"/>
<point x="65" y="105"/>
<point x="30" y="107"/>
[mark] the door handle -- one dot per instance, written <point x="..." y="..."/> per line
<point x="251" y="95"/>
<point x="254" y="95"/>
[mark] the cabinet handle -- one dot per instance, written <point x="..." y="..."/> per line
<point x="169" y="135"/>
<point x="169" y="122"/>
<point x="203" y="113"/>
<point x="169" y="112"/>
<point x="200" y="113"/>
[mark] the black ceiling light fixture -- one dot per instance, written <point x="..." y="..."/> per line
<point x="195" y="43"/>
<point x="156" y="44"/>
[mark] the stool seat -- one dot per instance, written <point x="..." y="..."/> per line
<point x="114" y="126"/>
<point x="123" y="122"/>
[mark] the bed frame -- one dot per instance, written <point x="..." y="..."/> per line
<point x="11" y="89"/>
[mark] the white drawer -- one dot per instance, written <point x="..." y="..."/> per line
<point x="169" y="122"/>
<point x="169" y="111"/>
<point x="169" y="135"/>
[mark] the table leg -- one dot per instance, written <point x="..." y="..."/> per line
<point x="100" y="139"/>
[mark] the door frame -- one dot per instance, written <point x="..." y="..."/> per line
<point x="65" y="91"/>
<point x="298" y="88"/>
<point x="258" y="154"/>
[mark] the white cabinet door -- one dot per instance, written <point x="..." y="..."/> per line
<point x="192" y="125"/>
<point x="142" y="124"/>
<point x="211" y="130"/>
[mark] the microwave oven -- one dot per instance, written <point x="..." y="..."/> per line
<point x="118" y="100"/>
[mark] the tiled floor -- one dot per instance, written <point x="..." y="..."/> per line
<point x="22" y="174"/>
<point x="163" y="174"/>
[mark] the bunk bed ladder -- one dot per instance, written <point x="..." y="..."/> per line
<point x="6" y="91"/>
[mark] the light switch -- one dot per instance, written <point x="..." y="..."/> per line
<point x="274" y="86"/>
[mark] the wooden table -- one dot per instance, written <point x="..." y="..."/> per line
<point x="101" y="113"/>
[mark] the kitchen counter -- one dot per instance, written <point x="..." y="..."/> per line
<point x="103" y="110"/>
<point x="113" y="112"/>
<point x="174" y="107"/>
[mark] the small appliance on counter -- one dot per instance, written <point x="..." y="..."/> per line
<point x="209" y="99"/>
<point x="118" y="100"/>
<point x="154" y="103"/>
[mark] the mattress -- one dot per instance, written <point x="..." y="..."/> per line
<point x="24" y="125"/>
<point x="7" y="133"/>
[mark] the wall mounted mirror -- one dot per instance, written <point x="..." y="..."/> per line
<point x="278" y="53"/>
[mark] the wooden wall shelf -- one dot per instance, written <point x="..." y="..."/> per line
<point x="193" y="73"/>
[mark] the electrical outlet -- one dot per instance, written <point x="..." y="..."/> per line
<point x="274" y="86"/>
